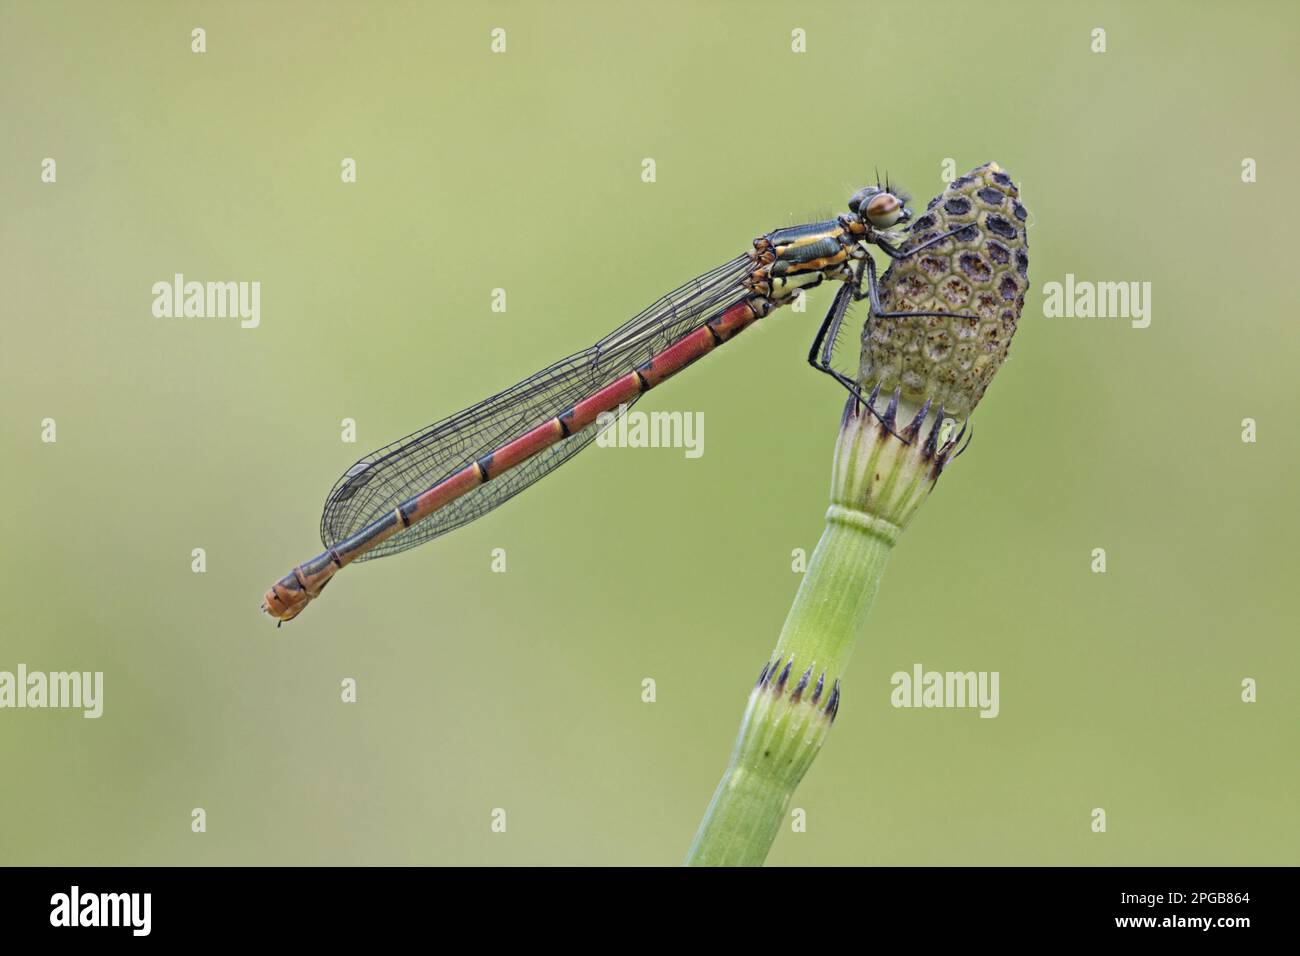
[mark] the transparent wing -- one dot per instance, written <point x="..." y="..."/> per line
<point x="382" y="480"/>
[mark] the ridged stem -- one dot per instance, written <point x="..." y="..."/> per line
<point x="879" y="479"/>
<point x="789" y="714"/>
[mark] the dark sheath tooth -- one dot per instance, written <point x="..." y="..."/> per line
<point x="871" y="399"/>
<point x="785" y="675"/>
<point x="817" y="692"/>
<point x="914" y="428"/>
<point x="833" y="705"/>
<point x="763" y="674"/>
<point x="891" y="413"/>
<point x="850" y="411"/>
<point x="799" y="687"/>
<point x="932" y="440"/>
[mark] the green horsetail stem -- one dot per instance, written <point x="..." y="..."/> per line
<point x="924" y="375"/>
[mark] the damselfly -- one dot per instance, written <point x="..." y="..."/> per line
<point x="462" y="467"/>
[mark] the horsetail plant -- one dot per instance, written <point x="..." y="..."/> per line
<point x="920" y="378"/>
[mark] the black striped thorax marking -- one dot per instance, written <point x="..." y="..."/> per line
<point x="785" y="241"/>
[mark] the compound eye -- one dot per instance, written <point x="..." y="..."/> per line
<point x="862" y="196"/>
<point x="882" y="210"/>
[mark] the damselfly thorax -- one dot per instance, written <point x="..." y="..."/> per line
<point x="463" y="466"/>
<point x="791" y="260"/>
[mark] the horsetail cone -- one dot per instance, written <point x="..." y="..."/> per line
<point x="979" y="276"/>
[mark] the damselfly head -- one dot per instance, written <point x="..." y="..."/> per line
<point x="879" y="207"/>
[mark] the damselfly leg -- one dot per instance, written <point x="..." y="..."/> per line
<point x="865" y="286"/>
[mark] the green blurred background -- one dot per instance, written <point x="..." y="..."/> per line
<point x="523" y="690"/>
